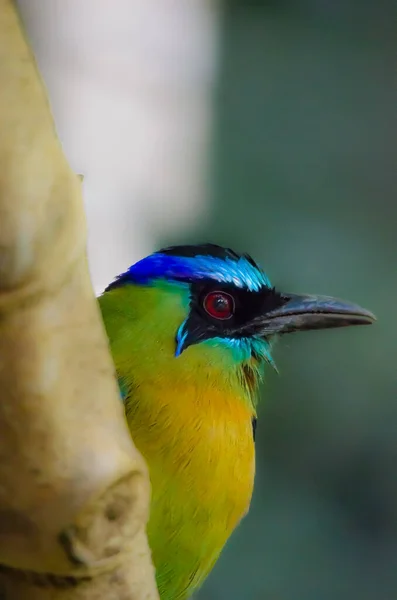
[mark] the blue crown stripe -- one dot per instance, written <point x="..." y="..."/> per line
<point x="239" y="272"/>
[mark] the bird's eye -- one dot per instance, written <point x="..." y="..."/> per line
<point x="219" y="305"/>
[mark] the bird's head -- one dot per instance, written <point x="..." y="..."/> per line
<point x="228" y="301"/>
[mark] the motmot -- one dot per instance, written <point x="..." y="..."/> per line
<point x="191" y="329"/>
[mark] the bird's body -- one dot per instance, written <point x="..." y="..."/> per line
<point x="196" y="437"/>
<point x="189" y="373"/>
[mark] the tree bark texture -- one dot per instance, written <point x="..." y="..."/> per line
<point x="74" y="491"/>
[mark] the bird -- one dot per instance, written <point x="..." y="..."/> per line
<point x="191" y="330"/>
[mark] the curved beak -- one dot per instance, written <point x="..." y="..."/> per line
<point x="301" y="313"/>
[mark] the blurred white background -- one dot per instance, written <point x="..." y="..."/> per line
<point x="130" y="83"/>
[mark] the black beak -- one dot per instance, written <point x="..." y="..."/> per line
<point x="301" y="313"/>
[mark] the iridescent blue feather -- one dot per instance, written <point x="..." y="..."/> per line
<point x="240" y="271"/>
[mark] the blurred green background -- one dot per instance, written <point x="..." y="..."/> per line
<point x="303" y="177"/>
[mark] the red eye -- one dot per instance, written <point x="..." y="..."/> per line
<point x="219" y="305"/>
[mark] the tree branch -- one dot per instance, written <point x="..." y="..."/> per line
<point x="74" y="492"/>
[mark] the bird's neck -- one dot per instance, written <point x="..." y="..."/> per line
<point x="141" y="324"/>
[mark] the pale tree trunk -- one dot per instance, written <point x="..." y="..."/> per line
<point x="131" y="86"/>
<point x="74" y="491"/>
